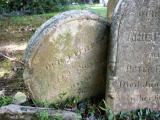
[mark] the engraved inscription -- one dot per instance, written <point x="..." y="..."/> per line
<point x="79" y="53"/>
<point x="68" y="56"/>
<point x="147" y="13"/>
<point x="143" y="98"/>
<point x="143" y="69"/>
<point x="146" y="3"/>
<point x="89" y="48"/>
<point x="135" y="48"/>
<point x="137" y="36"/>
<point x="138" y="84"/>
<point x="154" y="55"/>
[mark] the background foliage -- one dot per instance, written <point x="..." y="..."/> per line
<point x="36" y="6"/>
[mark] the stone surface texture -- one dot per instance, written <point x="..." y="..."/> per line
<point x="66" y="57"/>
<point x="134" y="62"/>
<point x="17" y="112"/>
<point x="20" y="98"/>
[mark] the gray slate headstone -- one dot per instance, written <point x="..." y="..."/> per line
<point x="134" y="62"/>
<point x="66" y="57"/>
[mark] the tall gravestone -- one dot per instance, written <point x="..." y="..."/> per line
<point x="134" y="62"/>
<point x="66" y="57"/>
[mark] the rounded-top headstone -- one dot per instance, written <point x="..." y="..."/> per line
<point x="66" y="57"/>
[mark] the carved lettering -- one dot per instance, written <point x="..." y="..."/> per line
<point x="154" y="55"/>
<point x="137" y="36"/>
<point x="142" y="69"/>
<point x="143" y="98"/>
<point x="67" y="55"/>
<point x="138" y="84"/>
<point x="135" y="45"/>
<point x="149" y="13"/>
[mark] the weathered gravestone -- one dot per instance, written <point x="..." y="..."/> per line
<point x="66" y="57"/>
<point x="134" y="62"/>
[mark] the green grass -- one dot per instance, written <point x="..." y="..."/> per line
<point x="43" y="115"/>
<point x="102" y="11"/>
<point x="98" y="9"/>
<point x="21" y="28"/>
<point x="39" y="19"/>
<point x="5" y="100"/>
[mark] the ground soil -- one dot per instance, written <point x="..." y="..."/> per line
<point x="12" y="46"/>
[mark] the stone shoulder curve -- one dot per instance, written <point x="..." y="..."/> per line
<point x="56" y="21"/>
